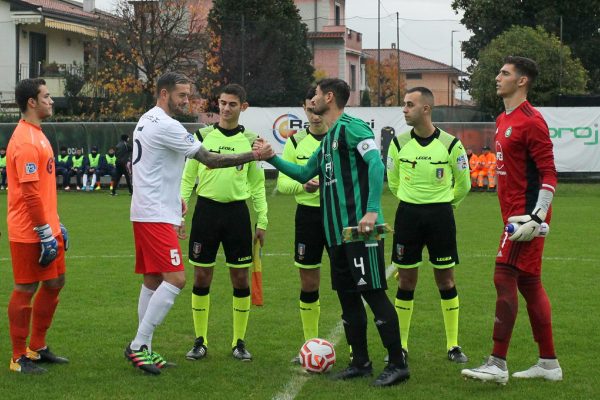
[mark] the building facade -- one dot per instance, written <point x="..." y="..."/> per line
<point x="336" y="49"/>
<point x="43" y="38"/>
<point x="440" y="78"/>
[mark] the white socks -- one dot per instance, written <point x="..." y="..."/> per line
<point x="158" y="307"/>
<point x="145" y="296"/>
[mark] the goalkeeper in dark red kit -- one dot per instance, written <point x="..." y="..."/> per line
<point x="526" y="185"/>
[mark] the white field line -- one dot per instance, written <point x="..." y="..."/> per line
<point x="294" y="385"/>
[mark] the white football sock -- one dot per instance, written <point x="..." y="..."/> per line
<point x="84" y="180"/>
<point x="93" y="180"/>
<point x="158" y="307"/>
<point x="145" y="296"/>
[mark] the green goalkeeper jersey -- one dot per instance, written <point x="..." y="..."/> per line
<point x="298" y="150"/>
<point x="227" y="184"/>
<point x="433" y="171"/>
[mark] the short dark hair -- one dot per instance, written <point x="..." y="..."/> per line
<point x="63" y="148"/>
<point x="339" y="88"/>
<point x="310" y="93"/>
<point x="235" y="90"/>
<point x="426" y="93"/>
<point x="27" y="89"/>
<point x="524" y="66"/>
<point x="169" y="80"/>
<point x="124" y="137"/>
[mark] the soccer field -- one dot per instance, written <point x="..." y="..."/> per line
<point x="97" y="315"/>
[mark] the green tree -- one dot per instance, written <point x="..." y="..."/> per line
<point x="539" y="45"/>
<point x="581" y="26"/>
<point x="365" y="99"/>
<point x="260" y="44"/>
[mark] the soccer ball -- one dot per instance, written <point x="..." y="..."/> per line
<point x="317" y="355"/>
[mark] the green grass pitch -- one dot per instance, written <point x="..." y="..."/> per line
<point x="97" y="315"/>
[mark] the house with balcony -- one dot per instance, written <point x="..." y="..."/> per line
<point x="336" y="49"/>
<point x="44" y="38"/>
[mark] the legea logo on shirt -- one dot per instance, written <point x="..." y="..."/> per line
<point x="30" y="168"/>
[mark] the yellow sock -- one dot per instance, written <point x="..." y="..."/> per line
<point x="200" y="310"/>
<point x="309" y="313"/>
<point x="450" y="309"/>
<point x="241" y="311"/>
<point x="404" y="309"/>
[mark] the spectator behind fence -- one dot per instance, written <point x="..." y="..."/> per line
<point x="107" y="164"/>
<point x="92" y="168"/>
<point x="77" y="166"/>
<point x="3" y="167"/>
<point x="63" y="167"/>
<point x="123" y="154"/>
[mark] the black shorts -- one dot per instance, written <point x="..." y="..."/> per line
<point x="357" y="266"/>
<point x="420" y="225"/>
<point x="310" y="237"/>
<point x="215" y="223"/>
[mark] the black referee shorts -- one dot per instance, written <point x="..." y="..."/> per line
<point x="310" y="237"/>
<point x="215" y="223"/>
<point x="357" y="266"/>
<point x="420" y="225"/>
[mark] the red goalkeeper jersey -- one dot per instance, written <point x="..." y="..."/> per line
<point x="525" y="160"/>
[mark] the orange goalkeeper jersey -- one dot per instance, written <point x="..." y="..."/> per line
<point x="29" y="159"/>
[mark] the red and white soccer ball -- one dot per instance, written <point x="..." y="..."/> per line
<point x="317" y="355"/>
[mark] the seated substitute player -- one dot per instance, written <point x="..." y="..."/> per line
<point x="77" y="166"/>
<point x="108" y="164"/>
<point x="3" y="167"/>
<point x="221" y="216"/>
<point x="63" y="167"/>
<point x="160" y="146"/>
<point x="91" y="167"/>
<point x="525" y="168"/>
<point x="37" y="239"/>
<point x="350" y="184"/>
<point x="428" y="172"/>
<point x="309" y="235"/>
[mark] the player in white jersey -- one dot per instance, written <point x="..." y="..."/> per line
<point x="161" y="145"/>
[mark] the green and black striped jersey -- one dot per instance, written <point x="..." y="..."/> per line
<point x="350" y="175"/>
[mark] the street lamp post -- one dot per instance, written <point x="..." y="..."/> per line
<point x="450" y="86"/>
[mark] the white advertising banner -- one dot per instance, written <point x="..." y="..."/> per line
<point x="278" y="123"/>
<point x="574" y="132"/>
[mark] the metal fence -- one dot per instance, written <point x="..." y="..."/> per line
<point x="82" y="135"/>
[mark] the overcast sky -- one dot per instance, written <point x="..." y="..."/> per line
<point x="425" y="25"/>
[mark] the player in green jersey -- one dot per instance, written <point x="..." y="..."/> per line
<point x="309" y="235"/>
<point x="428" y="171"/>
<point x="350" y="183"/>
<point x="221" y="216"/>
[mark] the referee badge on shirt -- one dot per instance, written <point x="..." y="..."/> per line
<point x="439" y="173"/>
<point x="196" y="249"/>
<point x="301" y="251"/>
